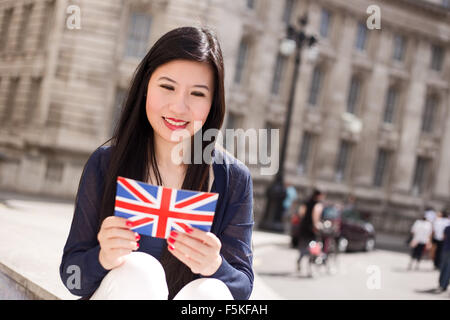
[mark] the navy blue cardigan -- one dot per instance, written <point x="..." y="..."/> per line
<point x="233" y="223"/>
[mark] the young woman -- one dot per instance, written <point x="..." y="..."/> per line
<point x="180" y="82"/>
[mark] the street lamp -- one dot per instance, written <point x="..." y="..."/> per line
<point x="276" y="191"/>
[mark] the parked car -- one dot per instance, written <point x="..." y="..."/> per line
<point x="351" y="232"/>
<point x="355" y="234"/>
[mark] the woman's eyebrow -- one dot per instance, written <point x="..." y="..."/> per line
<point x="197" y="85"/>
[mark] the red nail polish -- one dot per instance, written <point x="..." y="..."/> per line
<point x="138" y="237"/>
<point x="173" y="234"/>
<point x="171" y="247"/>
<point x="129" y="223"/>
<point x="189" y="230"/>
<point x="171" y="240"/>
<point x="137" y="244"/>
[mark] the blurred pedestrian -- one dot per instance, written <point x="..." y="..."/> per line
<point x="291" y="196"/>
<point x="310" y="224"/>
<point x="430" y="214"/>
<point x="421" y="239"/>
<point x="444" y="275"/>
<point x="440" y="223"/>
<point x="296" y="217"/>
<point x="349" y="203"/>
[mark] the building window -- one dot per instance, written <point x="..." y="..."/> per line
<point x="10" y="100"/>
<point x="361" y="37"/>
<point x="6" y="23"/>
<point x="342" y="160"/>
<point x="305" y="151"/>
<point x="316" y="84"/>
<point x="26" y="14"/>
<point x="241" y="61"/>
<point x="278" y="74"/>
<point x="325" y="23"/>
<point x="353" y="94"/>
<point x="119" y="100"/>
<point x="33" y="99"/>
<point x="437" y="57"/>
<point x="288" y="9"/>
<point x="138" y="35"/>
<point x="54" y="171"/>
<point x="391" y="101"/>
<point x="234" y="121"/>
<point x="46" y="22"/>
<point x="421" y="174"/>
<point x="268" y="143"/>
<point x="429" y="113"/>
<point x="381" y="167"/>
<point x="399" y="47"/>
<point x="231" y="121"/>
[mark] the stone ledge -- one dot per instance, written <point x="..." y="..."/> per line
<point x="26" y="287"/>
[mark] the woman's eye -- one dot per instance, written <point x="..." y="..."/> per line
<point x="196" y="93"/>
<point x="166" y="87"/>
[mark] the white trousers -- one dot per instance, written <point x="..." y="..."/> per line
<point x="142" y="277"/>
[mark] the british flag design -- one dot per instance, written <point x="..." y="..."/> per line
<point x="156" y="210"/>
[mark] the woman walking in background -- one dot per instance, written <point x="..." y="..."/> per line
<point x="310" y="225"/>
<point x="421" y="239"/>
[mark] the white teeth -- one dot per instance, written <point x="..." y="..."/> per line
<point x="179" y="124"/>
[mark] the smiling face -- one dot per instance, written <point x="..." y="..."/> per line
<point x="179" y="95"/>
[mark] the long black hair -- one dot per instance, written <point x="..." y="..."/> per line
<point x="132" y="144"/>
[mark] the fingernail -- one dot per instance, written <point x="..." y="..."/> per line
<point x="129" y="223"/>
<point x="189" y="230"/>
<point x="173" y="234"/>
<point x="171" y="240"/>
<point x="138" y="236"/>
<point x="137" y="244"/>
<point x="171" y="247"/>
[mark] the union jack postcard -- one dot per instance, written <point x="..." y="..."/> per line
<point x="156" y="210"/>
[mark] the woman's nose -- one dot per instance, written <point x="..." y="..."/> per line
<point x="179" y="104"/>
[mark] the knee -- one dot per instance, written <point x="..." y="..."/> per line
<point x="142" y="265"/>
<point x="205" y="289"/>
<point x="141" y="276"/>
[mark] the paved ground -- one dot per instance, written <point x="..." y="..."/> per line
<point x="33" y="233"/>
<point x="379" y="274"/>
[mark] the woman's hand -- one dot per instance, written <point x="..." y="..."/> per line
<point x="197" y="249"/>
<point x="116" y="241"/>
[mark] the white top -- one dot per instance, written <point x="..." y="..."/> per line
<point x="422" y="230"/>
<point x="438" y="227"/>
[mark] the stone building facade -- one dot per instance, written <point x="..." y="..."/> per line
<point x="393" y="83"/>
<point x="62" y="84"/>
